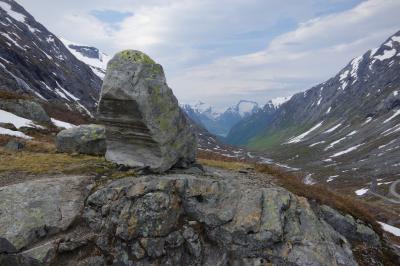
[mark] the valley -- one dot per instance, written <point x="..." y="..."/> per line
<point x="100" y="164"/>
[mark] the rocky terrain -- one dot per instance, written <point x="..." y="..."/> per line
<point x="136" y="186"/>
<point x="35" y="62"/>
<point x="77" y="209"/>
<point x="344" y="131"/>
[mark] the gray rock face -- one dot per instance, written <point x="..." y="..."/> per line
<point x="144" y="125"/>
<point x="14" y="145"/>
<point x="352" y="229"/>
<point x="188" y="220"/>
<point x="25" y="108"/>
<point x="85" y="139"/>
<point x="35" y="209"/>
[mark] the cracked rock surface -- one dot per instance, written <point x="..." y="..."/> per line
<point x="205" y="220"/>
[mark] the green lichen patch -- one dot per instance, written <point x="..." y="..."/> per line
<point x="136" y="56"/>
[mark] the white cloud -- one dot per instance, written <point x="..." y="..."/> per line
<point x="313" y="52"/>
<point x="222" y="51"/>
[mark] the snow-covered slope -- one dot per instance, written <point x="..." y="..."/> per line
<point x="34" y="61"/>
<point x="277" y="102"/>
<point x="89" y="55"/>
<point x="347" y="126"/>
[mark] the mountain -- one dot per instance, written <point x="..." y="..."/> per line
<point x="89" y="55"/>
<point x="252" y="124"/>
<point x="35" y="62"/>
<point x="220" y="123"/>
<point x="345" y="127"/>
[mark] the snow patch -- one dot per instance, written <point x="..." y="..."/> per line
<point x="277" y="102"/>
<point x="396" y="113"/>
<point x="369" y="119"/>
<point x="334" y="143"/>
<point x="5" y="131"/>
<point x="346" y="151"/>
<point x="386" y="55"/>
<point x="7" y="117"/>
<point x="344" y="75"/>
<point x="351" y="133"/>
<point x="391" y="229"/>
<point x="308" y="180"/>
<point x="361" y="191"/>
<point x="355" y="63"/>
<point x="333" y="128"/>
<point x="317" y="143"/>
<point x="12" y="40"/>
<point x="329" y="110"/>
<point x="302" y="136"/>
<point x="59" y="123"/>
<point x="15" y="15"/>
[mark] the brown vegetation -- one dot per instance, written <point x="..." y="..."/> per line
<point x="9" y="95"/>
<point x="61" y="112"/>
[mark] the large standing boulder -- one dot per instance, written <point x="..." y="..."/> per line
<point x="144" y="125"/>
<point x="85" y="139"/>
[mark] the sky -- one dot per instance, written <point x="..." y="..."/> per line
<point x="220" y="52"/>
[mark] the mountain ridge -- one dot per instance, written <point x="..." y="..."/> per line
<point x="340" y="124"/>
<point x="37" y="63"/>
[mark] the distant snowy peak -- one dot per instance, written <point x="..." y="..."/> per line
<point x="277" y="102"/>
<point x="89" y="55"/>
<point x="244" y="108"/>
<point x="206" y="109"/>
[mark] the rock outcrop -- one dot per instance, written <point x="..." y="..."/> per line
<point x="214" y="218"/>
<point x="188" y="220"/>
<point x="33" y="210"/>
<point x="144" y="125"/>
<point x="84" y="139"/>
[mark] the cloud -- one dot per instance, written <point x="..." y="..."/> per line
<point x="223" y="51"/>
<point x="316" y="50"/>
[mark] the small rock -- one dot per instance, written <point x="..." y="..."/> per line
<point x="84" y="139"/>
<point x="6" y="247"/>
<point x="44" y="253"/>
<point x="138" y="251"/>
<point x="14" y="145"/>
<point x="153" y="246"/>
<point x="9" y="126"/>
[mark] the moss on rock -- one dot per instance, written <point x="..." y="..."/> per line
<point x="136" y="56"/>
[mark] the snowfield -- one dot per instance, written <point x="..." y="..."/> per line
<point x="7" y="117"/>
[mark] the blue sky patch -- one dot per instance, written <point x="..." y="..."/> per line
<point x="110" y="16"/>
